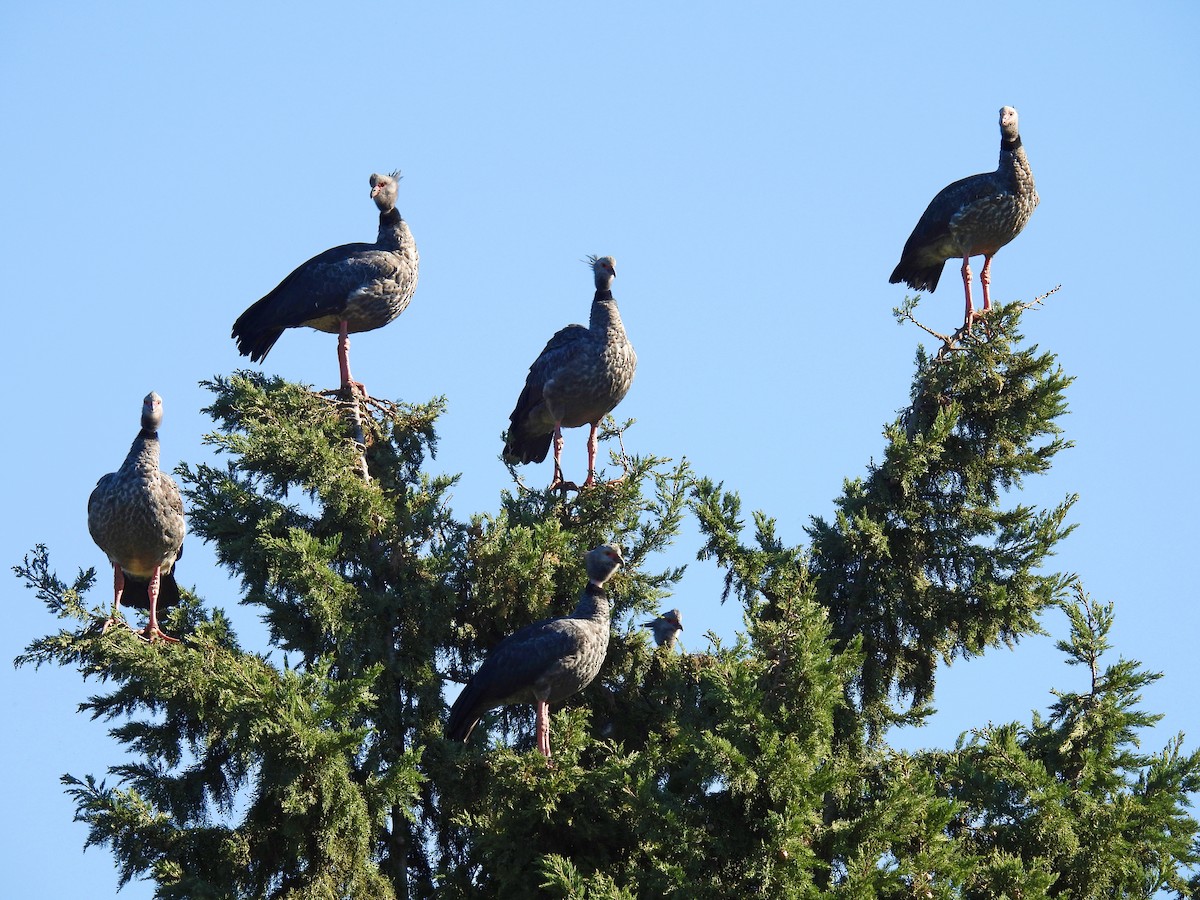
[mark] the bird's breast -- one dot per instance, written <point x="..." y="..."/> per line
<point x="573" y="673"/>
<point x="371" y="306"/>
<point x="589" y="389"/>
<point x="986" y="225"/>
<point x="139" y="534"/>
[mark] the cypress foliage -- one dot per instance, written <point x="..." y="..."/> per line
<point x="757" y="767"/>
<point x="928" y="558"/>
<point x="1072" y="798"/>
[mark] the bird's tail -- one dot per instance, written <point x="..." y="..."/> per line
<point x="254" y="337"/>
<point x="137" y="593"/>
<point x="521" y="447"/>
<point x="462" y="719"/>
<point x="520" y="444"/>
<point x="919" y="279"/>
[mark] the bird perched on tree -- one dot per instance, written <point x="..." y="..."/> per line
<point x="665" y="627"/>
<point x="973" y="216"/>
<point x="545" y="662"/>
<point x="579" y="378"/>
<point x="135" y="515"/>
<point x="351" y="288"/>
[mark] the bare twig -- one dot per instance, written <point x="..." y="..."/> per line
<point x="386" y="407"/>
<point x="624" y="457"/>
<point x="1037" y="301"/>
<point x="950" y="342"/>
<point x="954" y="340"/>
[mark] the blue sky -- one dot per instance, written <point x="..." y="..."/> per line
<point x="755" y="170"/>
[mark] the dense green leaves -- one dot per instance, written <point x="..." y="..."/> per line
<point x="756" y="766"/>
<point x="927" y="558"/>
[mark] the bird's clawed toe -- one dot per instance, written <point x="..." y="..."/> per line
<point x="154" y="633"/>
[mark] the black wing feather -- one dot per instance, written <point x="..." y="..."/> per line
<point x="320" y="287"/>
<point x="529" y="440"/>
<point x="513" y="667"/>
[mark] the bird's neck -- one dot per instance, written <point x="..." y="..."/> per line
<point x="143" y="453"/>
<point x="594" y="603"/>
<point x="392" y="230"/>
<point x="1012" y="155"/>
<point x="1014" y="164"/>
<point x="605" y="319"/>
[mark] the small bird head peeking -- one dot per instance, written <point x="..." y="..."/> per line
<point x="665" y="627"/>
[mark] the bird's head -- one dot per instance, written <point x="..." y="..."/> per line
<point x="602" y="562"/>
<point x="1008" y="123"/>
<point x="384" y="190"/>
<point x="152" y="411"/>
<point x="673" y="617"/>
<point x="605" y="270"/>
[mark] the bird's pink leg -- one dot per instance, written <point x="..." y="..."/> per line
<point x="543" y="727"/>
<point x="592" y="445"/>
<point x="152" y="630"/>
<point x="344" y="359"/>
<point x="558" y="447"/>
<point x="966" y="274"/>
<point x="985" y="278"/>
<point x="118" y="590"/>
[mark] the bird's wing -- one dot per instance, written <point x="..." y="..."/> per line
<point x="517" y="662"/>
<point x="103" y="486"/>
<point x="98" y="509"/>
<point x="523" y="657"/>
<point x="174" y="503"/>
<point x="934" y="224"/>
<point x="559" y="350"/>
<point x="321" y="286"/>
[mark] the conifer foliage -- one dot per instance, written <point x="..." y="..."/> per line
<point x="757" y="765"/>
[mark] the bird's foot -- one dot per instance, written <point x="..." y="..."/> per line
<point x="558" y="483"/>
<point x="976" y="315"/>
<point x="351" y="390"/>
<point x="154" y="633"/>
<point x="592" y="481"/>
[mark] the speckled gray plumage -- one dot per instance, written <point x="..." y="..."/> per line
<point x="367" y="285"/>
<point x="546" y="661"/>
<point x="578" y="379"/>
<point x="972" y="216"/>
<point x="135" y="515"/>
<point x="665" y="627"/>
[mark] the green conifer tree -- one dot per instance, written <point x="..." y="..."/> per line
<point x="757" y="767"/>
<point x="1070" y="806"/>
